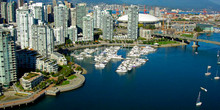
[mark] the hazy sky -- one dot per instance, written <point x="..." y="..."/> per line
<point x="182" y="4"/>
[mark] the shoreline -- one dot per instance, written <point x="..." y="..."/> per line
<point x="74" y="84"/>
<point x="124" y="45"/>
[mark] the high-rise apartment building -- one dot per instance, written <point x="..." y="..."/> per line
<point x="11" y="11"/>
<point x="133" y="12"/>
<point x="24" y="20"/>
<point x="107" y="25"/>
<point x="42" y="36"/>
<point x="81" y="11"/>
<point x="39" y="11"/>
<point x="8" y="70"/>
<point x="20" y="3"/>
<point x="97" y="16"/>
<point x="4" y="10"/>
<point x="61" y="15"/>
<point x="88" y="28"/>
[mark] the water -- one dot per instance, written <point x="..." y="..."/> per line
<point x="171" y="80"/>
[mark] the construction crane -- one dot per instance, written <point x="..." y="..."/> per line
<point x="117" y="11"/>
<point x="145" y="10"/>
<point x="204" y="11"/>
<point x="123" y="9"/>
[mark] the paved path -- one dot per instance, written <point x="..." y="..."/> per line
<point x="26" y="100"/>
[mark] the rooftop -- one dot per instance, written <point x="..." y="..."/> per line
<point x="143" y="18"/>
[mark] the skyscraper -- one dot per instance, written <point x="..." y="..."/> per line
<point x="11" y="8"/>
<point x="72" y="33"/>
<point x="8" y="70"/>
<point x="59" y="36"/>
<point x="97" y="16"/>
<point x="4" y="10"/>
<point x="54" y="3"/>
<point x="80" y="13"/>
<point x="88" y="28"/>
<point x="107" y="25"/>
<point x="39" y="11"/>
<point x="157" y="12"/>
<point x="61" y="16"/>
<point x="20" y="3"/>
<point x="73" y="16"/>
<point x="50" y="13"/>
<point x="24" y="20"/>
<point x="133" y="12"/>
<point x="43" y="41"/>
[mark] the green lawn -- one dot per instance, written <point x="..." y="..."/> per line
<point x="1" y="97"/>
<point x="72" y="77"/>
<point x="166" y="42"/>
<point x="65" y="82"/>
<point x="187" y="35"/>
<point x="66" y="70"/>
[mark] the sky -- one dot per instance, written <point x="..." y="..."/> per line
<point x="182" y="4"/>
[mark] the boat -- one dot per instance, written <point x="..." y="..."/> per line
<point x="218" y="54"/>
<point x="198" y="102"/>
<point x="217" y="77"/>
<point x="208" y="73"/>
<point x="218" y="62"/>
<point x="203" y="89"/>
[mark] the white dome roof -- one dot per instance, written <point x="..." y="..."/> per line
<point x="144" y="18"/>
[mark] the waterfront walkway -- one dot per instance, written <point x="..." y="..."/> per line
<point x="186" y="38"/>
<point x="74" y="83"/>
<point x="19" y="102"/>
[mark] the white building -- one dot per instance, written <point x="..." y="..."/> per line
<point x="145" y="33"/>
<point x="61" y="60"/>
<point x="43" y="39"/>
<point x="72" y="33"/>
<point x="24" y="20"/>
<point x="133" y="12"/>
<point x="88" y="28"/>
<point x="39" y="11"/>
<point x="30" y="80"/>
<point x="97" y="16"/>
<point x="61" y="16"/>
<point x="59" y="36"/>
<point x="107" y="25"/>
<point x="47" y="65"/>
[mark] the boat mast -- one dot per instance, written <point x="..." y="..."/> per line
<point x="198" y="99"/>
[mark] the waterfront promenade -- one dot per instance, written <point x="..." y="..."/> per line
<point x="186" y="38"/>
<point x="30" y="99"/>
<point x="74" y="84"/>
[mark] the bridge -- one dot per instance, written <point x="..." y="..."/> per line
<point x="194" y="39"/>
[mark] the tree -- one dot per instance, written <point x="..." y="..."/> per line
<point x="60" y="79"/>
<point x="198" y="29"/>
<point x="68" y="41"/>
<point x="78" y="68"/>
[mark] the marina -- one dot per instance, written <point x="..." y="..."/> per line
<point x="148" y="85"/>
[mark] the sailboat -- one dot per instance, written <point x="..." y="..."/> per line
<point x="208" y="73"/>
<point x="204" y="89"/>
<point x="218" y="62"/>
<point x="198" y="103"/>
<point x="217" y="77"/>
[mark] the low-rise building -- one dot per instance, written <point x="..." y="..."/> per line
<point x="30" y="80"/>
<point x="146" y="33"/>
<point x="61" y="60"/>
<point x="46" y="65"/>
<point x="206" y="27"/>
<point x="26" y="59"/>
<point x="184" y="27"/>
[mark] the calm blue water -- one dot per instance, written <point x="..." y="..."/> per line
<point x="171" y="80"/>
